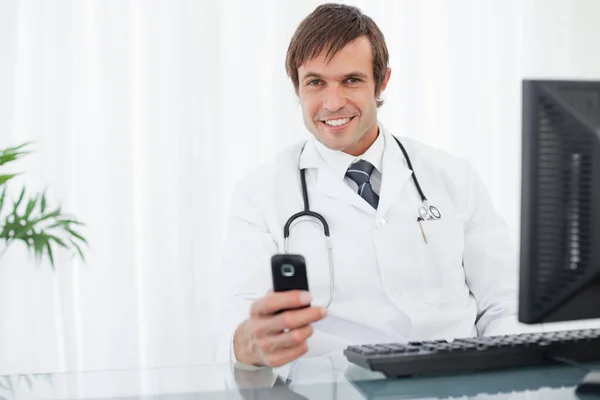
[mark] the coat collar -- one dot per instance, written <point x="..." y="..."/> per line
<point x="395" y="176"/>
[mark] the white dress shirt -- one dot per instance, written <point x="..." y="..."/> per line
<point x="340" y="161"/>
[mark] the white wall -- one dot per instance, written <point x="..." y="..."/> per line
<point x="146" y="113"/>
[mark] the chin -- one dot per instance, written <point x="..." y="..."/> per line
<point x="334" y="143"/>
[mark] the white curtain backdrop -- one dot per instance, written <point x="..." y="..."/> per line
<point x="145" y="113"/>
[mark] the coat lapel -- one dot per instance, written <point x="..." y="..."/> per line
<point x="329" y="184"/>
<point x="395" y="175"/>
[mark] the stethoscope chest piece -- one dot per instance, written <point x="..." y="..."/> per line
<point x="428" y="212"/>
<point x="435" y="212"/>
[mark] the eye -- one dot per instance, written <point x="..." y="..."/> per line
<point x="353" y="80"/>
<point x="314" y="82"/>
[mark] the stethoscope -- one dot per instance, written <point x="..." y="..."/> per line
<point x="425" y="212"/>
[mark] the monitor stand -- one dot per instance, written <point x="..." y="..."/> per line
<point x="590" y="385"/>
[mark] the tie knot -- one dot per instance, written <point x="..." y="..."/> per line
<point x="360" y="172"/>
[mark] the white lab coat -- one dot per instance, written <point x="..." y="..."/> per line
<point x="389" y="284"/>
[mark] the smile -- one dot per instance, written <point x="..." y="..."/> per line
<point x="337" y="122"/>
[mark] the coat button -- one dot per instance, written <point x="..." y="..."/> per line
<point x="380" y="223"/>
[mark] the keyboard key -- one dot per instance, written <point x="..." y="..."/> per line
<point x="382" y="349"/>
<point x="394" y="348"/>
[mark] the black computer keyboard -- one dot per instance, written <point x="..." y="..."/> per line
<point x="478" y="353"/>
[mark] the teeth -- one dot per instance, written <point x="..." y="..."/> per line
<point x="337" y="122"/>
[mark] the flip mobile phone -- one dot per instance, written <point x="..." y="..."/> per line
<point x="289" y="272"/>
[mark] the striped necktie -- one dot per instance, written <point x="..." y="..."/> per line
<point x="360" y="172"/>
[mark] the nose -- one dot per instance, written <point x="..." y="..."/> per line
<point x="334" y="98"/>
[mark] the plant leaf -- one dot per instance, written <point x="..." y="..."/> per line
<point x="77" y="235"/>
<point x="49" y="247"/>
<point x="18" y="203"/>
<point x="30" y="206"/>
<point x="6" y="178"/>
<point x="64" y="222"/>
<point x="78" y="249"/>
<point x="58" y="241"/>
<point x="12" y="153"/>
<point x="5" y="158"/>
<point x="2" y="197"/>
<point x="38" y="246"/>
<point x="53" y="214"/>
<point x="16" y="148"/>
<point x="43" y="203"/>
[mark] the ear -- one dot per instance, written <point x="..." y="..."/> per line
<point x="385" y="81"/>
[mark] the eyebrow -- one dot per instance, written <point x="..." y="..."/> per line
<point x="315" y="75"/>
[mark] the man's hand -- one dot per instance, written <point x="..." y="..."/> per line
<point x="272" y="340"/>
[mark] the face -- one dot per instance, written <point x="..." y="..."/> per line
<point x="338" y="98"/>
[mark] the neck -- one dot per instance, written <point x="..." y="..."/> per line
<point x="364" y="142"/>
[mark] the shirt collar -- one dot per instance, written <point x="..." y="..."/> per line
<point x="339" y="161"/>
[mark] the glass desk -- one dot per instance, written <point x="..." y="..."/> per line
<point x="323" y="378"/>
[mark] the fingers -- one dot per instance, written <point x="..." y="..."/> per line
<point x="274" y="343"/>
<point x="278" y="338"/>
<point x="277" y="301"/>
<point x="294" y="319"/>
<point x="288" y="320"/>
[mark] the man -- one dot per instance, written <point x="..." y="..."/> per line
<point x="396" y="278"/>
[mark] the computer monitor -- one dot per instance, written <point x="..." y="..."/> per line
<point x="560" y="204"/>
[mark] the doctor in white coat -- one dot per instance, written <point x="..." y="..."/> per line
<point x="394" y="278"/>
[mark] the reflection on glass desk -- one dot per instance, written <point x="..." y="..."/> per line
<point x="322" y="378"/>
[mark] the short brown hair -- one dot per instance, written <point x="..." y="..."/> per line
<point x="334" y="26"/>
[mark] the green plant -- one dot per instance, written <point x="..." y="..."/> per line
<point x="32" y="222"/>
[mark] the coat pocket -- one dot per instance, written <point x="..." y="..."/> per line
<point x="441" y="261"/>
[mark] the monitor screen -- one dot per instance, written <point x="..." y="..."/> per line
<point x="560" y="201"/>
